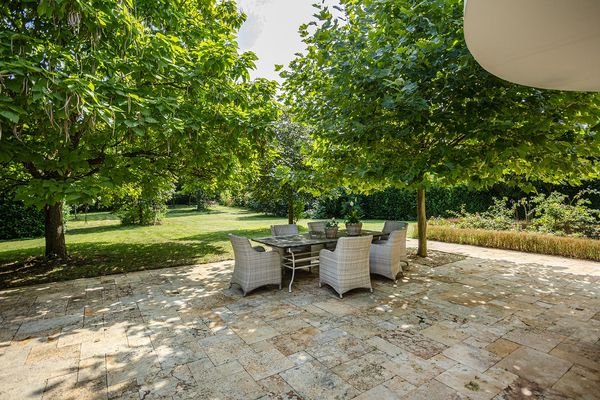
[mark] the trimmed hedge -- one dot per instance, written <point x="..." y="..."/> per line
<point x="583" y="248"/>
<point x="18" y="221"/>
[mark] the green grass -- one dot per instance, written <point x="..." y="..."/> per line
<point x="99" y="245"/>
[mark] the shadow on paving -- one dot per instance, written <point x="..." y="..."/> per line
<point x="453" y="328"/>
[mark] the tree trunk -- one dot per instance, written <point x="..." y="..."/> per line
<point x="291" y="210"/>
<point x="422" y="223"/>
<point x="54" y="232"/>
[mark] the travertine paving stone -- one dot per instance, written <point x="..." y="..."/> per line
<point x="467" y="328"/>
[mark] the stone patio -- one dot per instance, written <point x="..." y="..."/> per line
<point x="494" y="325"/>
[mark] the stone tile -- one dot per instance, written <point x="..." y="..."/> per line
<point x="138" y="364"/>
<point x="181" y="353"/>
<point x="66" y="387"/>
<point x="502" y="347"/>
<point x="535" y="366"/>
<point x="579" y="383"/>
<point x="252" y="331"/>
<point x="228" y="381"/>
<point x="266" y="363"/>
<point x="434" y="390"/>
<point x="539" y="340"/>
<point x="393" y="389"/>
<point x="143" y="330"/>
<point x="91" y="369"/>
<point x="54" y="360"/>
<point x="339" y="351"/>
<point x="336" y="307"/>
<point x="277" y="388"/>
<point x="365" y="372"/>
<point x="47" y="327"/>
<point x="473" y="384"/>
<point x="477" y="359"/>
<point x="414" y="342"/>
<point x="414" y="369"/>
<point x="582" y="353"/>
<point x="361" y="328"/>
<point x="296" y="341"/>
<point x="444" y="334"/>
<point x="312" y="380"/>
<point x="174" y="383"/>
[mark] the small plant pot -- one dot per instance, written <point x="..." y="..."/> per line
<point x="331" y="233"/>
<point x="353" y="229"/>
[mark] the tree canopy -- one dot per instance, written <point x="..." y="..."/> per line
<point x="396" y="99"/>
<point x="90" y="91"/>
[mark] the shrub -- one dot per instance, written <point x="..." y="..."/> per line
<point x="555" y="214"/>
<point x="18" y="221"/>
<point x="497" y="217"/>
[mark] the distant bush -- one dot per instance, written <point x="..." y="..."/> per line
<point x="551" y="214"/>
<point x="497" y="217"/>
<point x="554" y="213"/>
<point x="521" y="241"/>
<point x="18" y="221"/>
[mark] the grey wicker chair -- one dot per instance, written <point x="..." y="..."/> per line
<point x="386" y="255"/>
<point x="284" y="230"/>
<point x="347" y="267"/>
<point x="287" y="230"/>
<point x="390" y="226"/>
<point x="254" y="267"/>
<point x="318" y="226"/>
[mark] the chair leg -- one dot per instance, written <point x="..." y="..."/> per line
<point x="341" y="296"/>
<point x="371" y="289"/>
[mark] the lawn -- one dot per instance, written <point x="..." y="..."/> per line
<point x="99" y="245"/>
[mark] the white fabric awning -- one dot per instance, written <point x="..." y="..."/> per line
<point x="550" y="44"/>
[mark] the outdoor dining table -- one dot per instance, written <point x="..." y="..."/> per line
<point x="292" y="247"/>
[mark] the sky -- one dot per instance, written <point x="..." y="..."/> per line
<point x="271" y="32"/>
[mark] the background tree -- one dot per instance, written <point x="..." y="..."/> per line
<point x="396" y="99"/>
<point x="89" y="90"/>
<point x="284" y="178"/>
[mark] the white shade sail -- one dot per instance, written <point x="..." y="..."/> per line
<point x="550" y="44"/>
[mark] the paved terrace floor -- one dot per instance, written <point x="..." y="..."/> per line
<point x="493" y="325"/>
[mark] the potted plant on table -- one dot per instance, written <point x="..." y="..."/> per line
<point x="331" y="229"/>
<point x="353" y="224"/>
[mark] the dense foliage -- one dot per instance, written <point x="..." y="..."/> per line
<point x="92" y="90"/>
<point x="396" y="99"/>
<point x="553" y="213"/>
<point x="19" y="221"/>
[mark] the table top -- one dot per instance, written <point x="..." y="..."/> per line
<point x="307" y="239"/>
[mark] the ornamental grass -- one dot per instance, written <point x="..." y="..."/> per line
<point x="530" y="242"/>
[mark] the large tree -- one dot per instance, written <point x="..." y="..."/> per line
<point x="396" y="99"/>
<point x="91" y="89"/>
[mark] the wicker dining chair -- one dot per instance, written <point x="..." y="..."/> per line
<point x="386" y="255"/>
<point x="288" y="230"/>
<point x="254" y="267"/>
<point x="318" y="226"/>
<point x="390" y="226"/>
<point x="347" y="267"/>
<point x="284" y="230"/>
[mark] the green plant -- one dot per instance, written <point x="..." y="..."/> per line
<point x="497" y="217"/>
<point x="353" y="212"/>
<point x="19" y="221"/>
<point x="332" y="223"/>
<point x="554" y="213"/>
